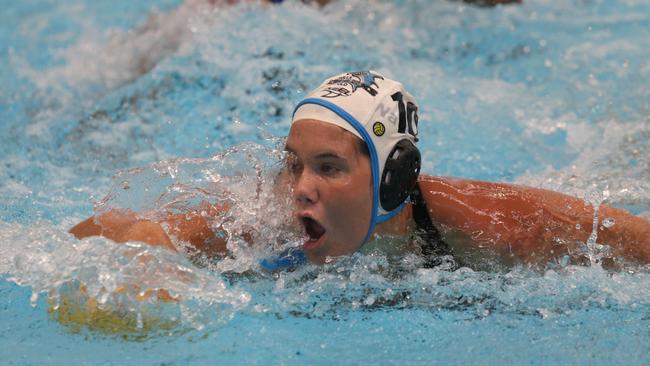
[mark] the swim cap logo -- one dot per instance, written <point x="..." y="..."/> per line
<point x="347" y="84"/>
<point x="378" y="128"/>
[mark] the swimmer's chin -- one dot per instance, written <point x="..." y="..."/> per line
<point x="314" y="256"/>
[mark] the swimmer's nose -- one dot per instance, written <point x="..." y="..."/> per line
<point x="305" y="189"/>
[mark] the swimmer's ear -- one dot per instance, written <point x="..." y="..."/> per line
<point x="400" y="175"/>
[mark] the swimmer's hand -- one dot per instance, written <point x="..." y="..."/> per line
<point x="192" y="227"/>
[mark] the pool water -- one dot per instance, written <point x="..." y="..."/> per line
<point x="138" y="105"/>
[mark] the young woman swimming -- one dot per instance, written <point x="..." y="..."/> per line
<point x="353" y="169"/>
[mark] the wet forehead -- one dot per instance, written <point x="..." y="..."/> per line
<point x="316" y="136"/>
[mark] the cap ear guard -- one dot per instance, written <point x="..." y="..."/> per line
<point x="400" y="175"/>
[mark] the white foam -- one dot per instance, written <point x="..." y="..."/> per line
<point x="46" y="258"/>
<point x="606" y="151"/>
<point x="100" y="60"/>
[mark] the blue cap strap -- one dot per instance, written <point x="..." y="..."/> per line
<point x="290" y="258"/>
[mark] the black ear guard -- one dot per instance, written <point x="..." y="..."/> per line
<point x="400" y="174"/>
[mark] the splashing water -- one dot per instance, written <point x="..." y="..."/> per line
<point x="241" y="178"/>
<point x="52" y="263"/>
<point x="548" y="94"/>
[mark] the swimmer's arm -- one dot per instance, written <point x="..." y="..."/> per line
<point x="122" y="226"/>
<point x="529" y="223"/>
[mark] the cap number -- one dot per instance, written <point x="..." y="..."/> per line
<point x="408" y="115"/>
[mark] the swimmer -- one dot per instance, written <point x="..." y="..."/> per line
<point x="353" y="168"/>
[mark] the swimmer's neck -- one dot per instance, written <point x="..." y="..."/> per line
<point x="400" y="224"/>
<point x="391" y="236"/>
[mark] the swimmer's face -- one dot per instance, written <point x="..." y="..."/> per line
<point x="332" y="188"/>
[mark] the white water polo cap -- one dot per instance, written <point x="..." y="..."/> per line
<point x="384" y="115"/>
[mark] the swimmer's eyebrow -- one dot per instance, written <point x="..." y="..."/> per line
<point x="322" y="155"/>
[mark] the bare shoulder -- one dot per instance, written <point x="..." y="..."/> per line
<point x="528" y="222"/>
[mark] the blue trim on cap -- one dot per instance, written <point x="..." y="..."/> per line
<point x="374" y="160"/>
<point x="290" y="258"/>
<point x="391" y="214"/>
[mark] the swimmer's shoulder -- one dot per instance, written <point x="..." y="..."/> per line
<point x="453" y="201"/>
<point x="435" y="187"/>
<point x="440" y="194"/>
<point x="443" y="183"/>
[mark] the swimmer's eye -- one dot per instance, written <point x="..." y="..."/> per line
<point x="329" y="169"/>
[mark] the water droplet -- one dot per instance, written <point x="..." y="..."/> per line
<point x="369" y="300"/>
<point x="33" y="298"/>
<point x="578" y="226"/>
<point x="609" y="222"/>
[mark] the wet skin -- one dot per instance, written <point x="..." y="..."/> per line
<point x="331" y="187"/>
<point x="330" y="180"/>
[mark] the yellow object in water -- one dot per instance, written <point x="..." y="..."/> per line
<point x="72" y="307"/>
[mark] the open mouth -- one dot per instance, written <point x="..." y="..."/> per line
<point x="314" y="230"/>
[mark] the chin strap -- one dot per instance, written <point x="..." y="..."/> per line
<point x="432" y="246"/>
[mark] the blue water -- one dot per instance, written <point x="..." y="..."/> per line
<point x="550" y="94"/>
